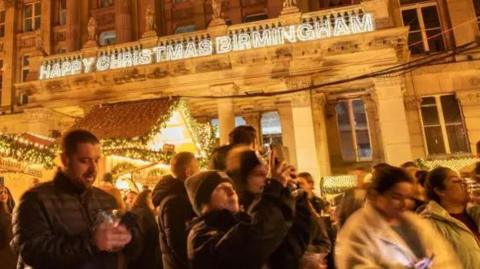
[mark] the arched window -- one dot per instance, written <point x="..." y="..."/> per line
<point x="271" y="128"/>
<point x="107" y="38"/>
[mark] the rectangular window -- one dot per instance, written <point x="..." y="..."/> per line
<point x="255" y="17"/>
<point x="425" y="30"/>
<point x="443" y="125"/>
<point x="25" y="67"/>
<point x="353" y="130"/>
<point x="2" y="23"/>
<point x="31" y="16"/>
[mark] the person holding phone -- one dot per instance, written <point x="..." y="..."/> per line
<point x="385" y="234"/>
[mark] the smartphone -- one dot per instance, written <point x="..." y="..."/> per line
<point x="279" y="153"/>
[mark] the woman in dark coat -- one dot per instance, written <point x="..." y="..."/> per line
<point x="8" y="259"/>
<point x="150" y="258"/>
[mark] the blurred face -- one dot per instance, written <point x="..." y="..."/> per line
<point x="130" y="199"/>
<point x="455" y="191"/>
<point x="394" y="201"/>
<point x="3" y="195"/>
<point x="257" y="179"/>
<point x="224" y="197"/>
<point x="305" y="184"/>
<point x="82" y="165"/>
<point x="192" y="168"/>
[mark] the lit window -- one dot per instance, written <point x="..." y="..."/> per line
<point x="425" y="29"/>
<point x="185" y="29"/>
<point x="105" y="3"/>
<point x="443" y="126"/>
<point x="353" y="130"/>
<point x="255" y="17"/>
<point x="2" y="23"/>
<point x="31" y="17"/>
<point x="271" y="128"/>
<point x="62" y="16"/>
<point x="107" y="38"/>
<point x="25" y="67"/>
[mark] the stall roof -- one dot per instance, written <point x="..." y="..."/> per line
<point x="126" y="119"/>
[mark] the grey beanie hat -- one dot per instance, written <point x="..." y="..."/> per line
<point x="201" y="185"/>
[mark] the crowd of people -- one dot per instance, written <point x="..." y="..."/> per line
<point x="248" y="210"/>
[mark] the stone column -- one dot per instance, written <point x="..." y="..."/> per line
<point x="73" y="25"/>
<point x="470" y="102"/>
<point x="392" y="120"/>
<point x="373" y="126"/>
<point x="253" y="119"/>
<point x="9" y="55"/>
<point x="226" y="112"/>
<point x="321" y="138"/>
<point x="123" y="21"/>
<point x="288" y="135"/>
<point x="305" y="142"/>
<point x="226" y="119"/>
<point x="46" y="26"/>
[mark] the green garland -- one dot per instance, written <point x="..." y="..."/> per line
<point x="13" y="146"/>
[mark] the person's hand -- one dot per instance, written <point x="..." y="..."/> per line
<point x="282" y="173"/>
<point x="108" y="237"/>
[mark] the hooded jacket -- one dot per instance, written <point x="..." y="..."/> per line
<point x="175" y="212"/>
<point x="367" y="241"/>
<point x="464" y="242"/>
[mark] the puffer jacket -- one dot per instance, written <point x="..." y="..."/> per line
<point x="464" y="242"/>
<point x="175" y="212"/>
<point x="53" y="224"/>
<point x="367" y="241"/>
<point x="221" y="239"/>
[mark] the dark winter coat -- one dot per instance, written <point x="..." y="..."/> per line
<point x="150" y="257"/>
<point x="175" y="211"/>
<point x="53" y="225"/>
<point x="296" y="241"/>
<point x="8" y="259"/>
<point x="221" y="239"/>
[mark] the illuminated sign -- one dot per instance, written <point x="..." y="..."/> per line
<point x="268" y="37"/>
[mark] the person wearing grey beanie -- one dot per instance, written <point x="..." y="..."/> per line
<point x="225" y="237"/>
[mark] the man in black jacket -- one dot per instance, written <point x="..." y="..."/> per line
<point x="225" y="237"/>
<point x="175" y="211"/>
<point x="55" y="224"/>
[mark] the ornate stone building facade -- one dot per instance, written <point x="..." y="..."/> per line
<point x="62" y="57"/>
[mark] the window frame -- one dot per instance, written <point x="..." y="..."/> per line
<point x="476" y="8"/>
<point x="33" y="17"/>
<point x="353" y="130"/>
<point x="24" y="68"/>
<point x="418" y="8"/>
<point x="2" y="23"/>
<point x="443" y="125"/>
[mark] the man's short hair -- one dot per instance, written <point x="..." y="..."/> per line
<point x="74" y="137"/>
<point x="180" y="162"/>
<point x="307" y="176"/>
<point x="243" y="134"/>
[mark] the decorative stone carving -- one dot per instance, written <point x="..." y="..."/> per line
<point x="158" y="73"/>
<point x="39" y="43"/>
<point x="412" y="103"/>
<point x="301" y="99"/>
<point x="226" y="89"/>
<point x="295" y="83"/>
<point x="217" y="19"/>
<point x="469" y="98"/>
<point x="212" y="65"/>
<point x="150" y="25"/>
<point x="92" y="29"/>
<point x="289" y="6"/>
<point x="289" y="3"/>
